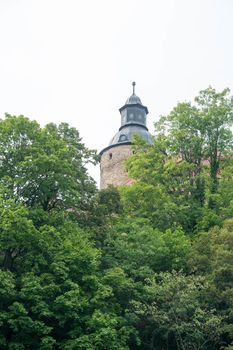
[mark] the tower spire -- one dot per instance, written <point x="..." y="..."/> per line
<point x="133" y="83"/>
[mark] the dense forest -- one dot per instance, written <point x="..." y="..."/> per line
<point x="148" y="266"/>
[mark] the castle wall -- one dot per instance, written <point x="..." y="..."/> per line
<point x="112" y="171"/>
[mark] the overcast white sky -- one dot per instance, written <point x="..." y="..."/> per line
<point x="74" y="60"/>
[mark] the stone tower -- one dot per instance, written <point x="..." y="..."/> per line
<point x="133" y="121"/>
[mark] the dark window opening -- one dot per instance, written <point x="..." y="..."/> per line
<point x="110" y="155"/>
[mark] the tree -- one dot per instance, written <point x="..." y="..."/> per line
<point x="53" y="293"/>
<point x="212" y="256"/>
<point x="142" y="250"/>
<point x="45" y="167"/>
<point x="174" y="316"/>
<point x="216" y="112"/>
<point x="182" y="169"/>
<point x="115" y="269"/>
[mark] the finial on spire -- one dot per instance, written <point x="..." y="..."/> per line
<point x="133" y="83"/>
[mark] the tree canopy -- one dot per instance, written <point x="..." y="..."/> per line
<point x="147" y="266"/>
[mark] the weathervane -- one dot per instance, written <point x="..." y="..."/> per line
<point x="133" y="83"/>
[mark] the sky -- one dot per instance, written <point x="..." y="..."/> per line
<point x="74" y="60"/>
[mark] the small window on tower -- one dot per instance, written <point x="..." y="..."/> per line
<point x="122" y="138"/>
<point x="110" y="156"/>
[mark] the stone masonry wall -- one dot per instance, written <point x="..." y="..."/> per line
<point x="112" y="170"/>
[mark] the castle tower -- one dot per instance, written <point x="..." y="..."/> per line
<point x="133" y="121"/>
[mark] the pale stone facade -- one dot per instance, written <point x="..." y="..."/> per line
<point x="112" y="169"/>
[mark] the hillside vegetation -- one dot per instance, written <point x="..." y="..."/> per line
<point x="148" y="266"/>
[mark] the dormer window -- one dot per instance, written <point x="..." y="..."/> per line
<point x="122" y="138"/>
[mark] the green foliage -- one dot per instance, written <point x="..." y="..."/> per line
<point x="148" y="266"/>
<point x="53" y="295"/>
<point x="142" y="250"/>
<point x="184" y="178"/>
<point x="212" y="255"/>
<point x="109" y="201"/>
<point x="174" y="315"/>
<point x="52" y="292"/>
<point x="44" y="167"/>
